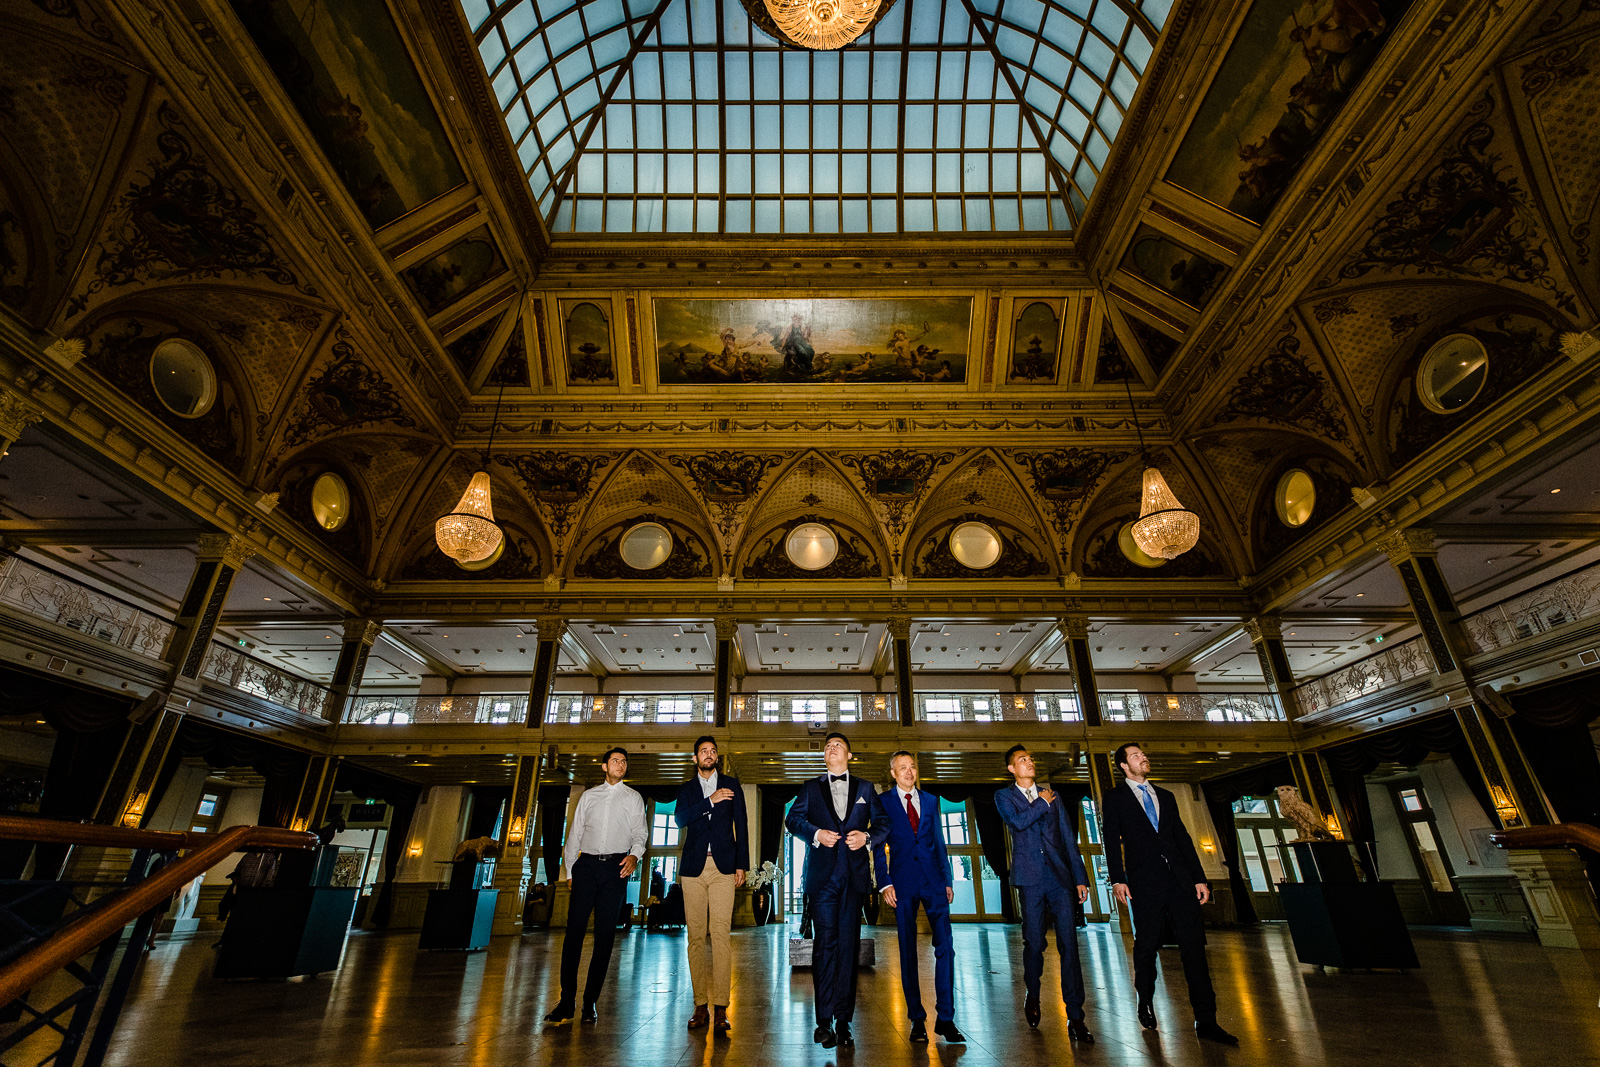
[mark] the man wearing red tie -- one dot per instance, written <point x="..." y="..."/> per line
<point x="917" y="871"/>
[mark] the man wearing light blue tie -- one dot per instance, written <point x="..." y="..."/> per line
<point x="915" y="869"/>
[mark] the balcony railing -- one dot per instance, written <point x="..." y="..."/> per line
<point x="1190" y="707"/>
<point x="1381" y="670"/>
<point x="247" y="674"/>
<point x="492" y="708"/>
<point x="58" y="599"/>
<point x="666" y="709"/>
<point x="1543" y="608"/>
<point x="813" y="709"/>
<point x="997" y="707"/>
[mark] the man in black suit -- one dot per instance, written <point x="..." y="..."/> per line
<point x="837" y="809"/>
<point x="1153" y="864"/>
<point x="716" y="853"/>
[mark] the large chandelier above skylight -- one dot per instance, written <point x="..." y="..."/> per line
<point x="681" y="116"/>
<point x="822" y="24"/>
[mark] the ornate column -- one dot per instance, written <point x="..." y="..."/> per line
<point x="219" y="559"/>
<point x="727" y="629"/>
<point x="16" y="415"/>
<point x="900" y="633"/>
<point x="1266" y="637"/>
<point x="359" y="634"/>
<point x="513" y="872"/>
<point x="1517" y="798"/>
<point x="1075" y="629"/>
<point x="551" y="629"/>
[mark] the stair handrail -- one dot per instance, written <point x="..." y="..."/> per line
<point x="78" y="935"/>
<point x="1556" y="835"/>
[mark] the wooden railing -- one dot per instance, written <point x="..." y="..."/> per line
<point x="108" y="915"/>
<point x="1558" y="835"/>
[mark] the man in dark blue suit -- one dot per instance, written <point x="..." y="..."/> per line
<point x="917" y="871"/>
<point x="1045" y="868"/>
<point x="839" y="815"/>
<point x="716" y="853"/>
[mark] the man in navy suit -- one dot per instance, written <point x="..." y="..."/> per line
<point x="1155" y="870"/>
<point x="716" y="853"/>
<point x="917" y="871"/>
<point x="1045" y="868"/>
<point x="840" y="816"/>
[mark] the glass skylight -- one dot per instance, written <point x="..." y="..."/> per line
<point x="679" y="116"/>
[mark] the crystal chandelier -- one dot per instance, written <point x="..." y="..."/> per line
<point x="1165" y="529"/>
<point x="823" y="24"/>
<point x="469" y="534"/>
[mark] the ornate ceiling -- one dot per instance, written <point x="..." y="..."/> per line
<point x="1299" y="202"/>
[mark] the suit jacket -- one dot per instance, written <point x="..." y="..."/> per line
<point x="914" y="860"/>
<point x="813" y="810"/>
<point x="1136" y="852"/>
<point x="1039" y="831"/>
<point x="722" y="826"/>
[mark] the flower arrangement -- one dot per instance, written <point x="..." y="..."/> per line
<point x="764" y="876"/>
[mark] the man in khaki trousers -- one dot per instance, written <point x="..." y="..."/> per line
<point x="716" y="853"/>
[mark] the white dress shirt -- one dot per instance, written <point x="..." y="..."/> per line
<point x="915" y="797"/>
<point x="840" y="792"/>
<point x="610" y="819"/>
<point x="708" y="785"/>
<point x="1032" y="793"/>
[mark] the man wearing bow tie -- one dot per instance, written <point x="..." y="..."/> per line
<point x="1153" y="865"/>
<point x="840" y="816"/>
<point x="1048" y="873"/>
<point x="917" y="871"/>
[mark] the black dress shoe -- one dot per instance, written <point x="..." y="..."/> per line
<point x="947" y="1029"/>
<point x="589" y="1014"/>
<point x="919" y="1030"/>
<point x="1212" y="1032"/>
<point x="561" y="1016"/>
<point x="1030" y="1009"/>
<point x="846" y="1038"/>
<point x="824" y="1036"/>
<point x="1147" y="1015"/>
<point x="1078" y="1031"/>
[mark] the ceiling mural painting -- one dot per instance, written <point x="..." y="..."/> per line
<point x="1036" y="342"/>
<point x="1288" y="71"/>
<point x="1177" y="271"/>
<point x="469" y="348"/>
<point x="586" y="330"/>
<point x="831" y="340"/>
<point x="347" y="71"/>
<point x="344" y="393"/>
<point x="511" y="368"/>
<point x="442" y="279"/>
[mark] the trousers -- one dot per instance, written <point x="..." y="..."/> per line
<point x="598" y="888"/>
<point x="708" y="917"/>
<point x="933" y="902"/>
<point x="1056" y="900"/>
<point x="836" y="941"/>
<point x="1158" y="903"/>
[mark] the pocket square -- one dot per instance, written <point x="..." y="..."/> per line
<point x="861" y="800"/>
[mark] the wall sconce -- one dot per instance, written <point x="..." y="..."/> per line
<point x="514" y="835"/>
<point x="738" y="705"/>
<point x="1503" y="805"/>
<point x="135" y="810"/>
<point x="1172" y="702"/>
<point x="299" y="825"/>
<point x="1333" y="826"/>
<point x="1208" y="846"/>
<point x="414" y="851"/>
<point x="599" y="704"/>
<point x="1019" y="702"/>
<point x="880" y="702"/>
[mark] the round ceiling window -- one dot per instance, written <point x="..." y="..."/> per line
<point x="183" y="378"/>
<point x="1295" y="497"/>
<point x="646" y="546"/>
<point x="811" y="546"/>
<point x="330" y="501"/>
<point x="1131" y="549"/>
<point x="975" y="545"/>
<point x="1452" y="373"/>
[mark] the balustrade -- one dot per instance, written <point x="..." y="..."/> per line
<point x="1539" y="610"/>
<point x="247" y="674"/>
<point x="1381" y="670"/>
<point x="56" y="598"/>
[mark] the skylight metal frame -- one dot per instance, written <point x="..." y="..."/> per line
<point x="680" y="116"/>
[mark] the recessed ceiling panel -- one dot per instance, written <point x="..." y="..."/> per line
<point x="810" y="647"/>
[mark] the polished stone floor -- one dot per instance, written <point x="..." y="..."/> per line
<point x="1501" y="1002"/>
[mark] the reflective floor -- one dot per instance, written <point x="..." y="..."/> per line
<point x="1473" y="1001"/>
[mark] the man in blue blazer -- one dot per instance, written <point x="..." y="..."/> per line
<point x="839" y="815"/>
<point x="716" y="853"/>
<point x="1045" y="868"/>
<point x="917" y="871"/>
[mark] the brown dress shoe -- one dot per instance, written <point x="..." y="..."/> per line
<point x="700" y="1017"/>
<point x="721" y="1024"/>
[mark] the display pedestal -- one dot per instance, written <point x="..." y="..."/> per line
<point x="1347" y="924"/>
<point x="459" y="920"/>
<point x="800" y="952"/>
<point x="285" y="932"/>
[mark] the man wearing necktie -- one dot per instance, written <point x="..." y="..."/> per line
<point x="917" y="871"/>
<point x="1152" y="864"/>
<point x="1048" y="873"/>
<point x="840" y="816"/>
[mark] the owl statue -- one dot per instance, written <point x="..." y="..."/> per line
<point x="1303" y="815"/>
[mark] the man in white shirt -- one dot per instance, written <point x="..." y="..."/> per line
<point x="604" y="846"/>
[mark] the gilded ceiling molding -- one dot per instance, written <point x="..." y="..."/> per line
<point x="726" y="482"/>
<point x="895" y="480"/>
<point x="346" y="395"/>
<point x="1283" y="389"/>
<point x="559" y="484"/>
<point x="16" y="415"/>
<point x="1063" y="480"/>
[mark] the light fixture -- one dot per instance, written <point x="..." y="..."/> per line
<point x="469" y="533"/>
<point x="514" y="835"/>
<point x="1165" y="529"/>
<point x="823" y="24"/>
<point x="135" y="812"/>
<point x="1504" y="806"/>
